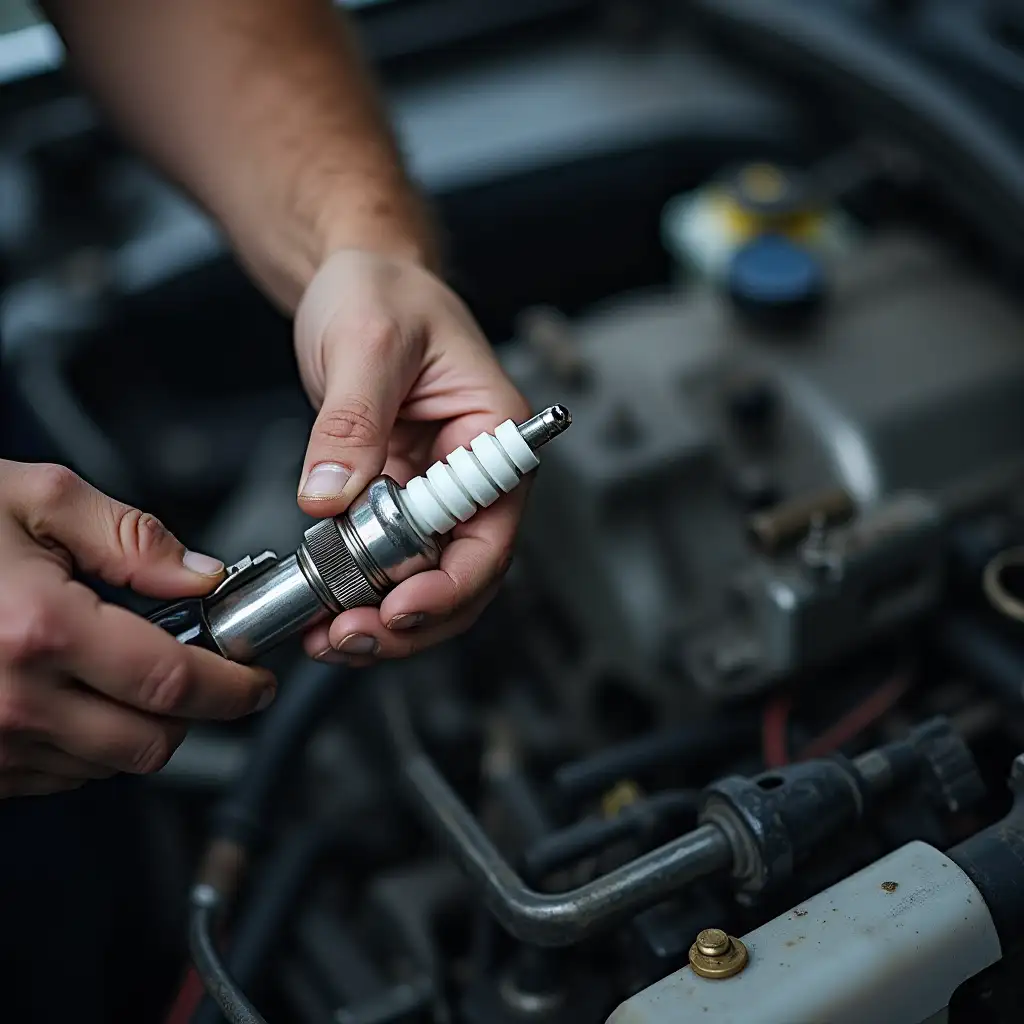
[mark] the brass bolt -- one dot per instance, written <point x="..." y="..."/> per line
<point x="712" y="942"/>
<point x="717" y="955"/>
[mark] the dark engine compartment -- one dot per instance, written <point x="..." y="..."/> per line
<point x="769" y="584"/>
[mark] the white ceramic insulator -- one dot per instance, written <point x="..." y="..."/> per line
<point x="452" y="490"/>
<point x="508" y="436"/>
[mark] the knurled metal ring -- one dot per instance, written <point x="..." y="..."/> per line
<point x="333" y="564"/>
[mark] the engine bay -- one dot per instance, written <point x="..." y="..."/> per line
<point x="742" y="736"/>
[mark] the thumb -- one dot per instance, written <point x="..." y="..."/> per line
<point x="349" y="443"/>
<point x="106" y="538"/>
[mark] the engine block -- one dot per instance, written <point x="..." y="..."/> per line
<point x="741" y="502"/>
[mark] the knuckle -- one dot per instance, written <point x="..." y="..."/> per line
<point x="154" y="753"/>
<point x="139" y="532"/>
<point x="167" y="686"/>
<point x="30" y="628"/>
<point x="380" y="334"/>
<point x="51" y="485"/>
<point x="352" y="422"/>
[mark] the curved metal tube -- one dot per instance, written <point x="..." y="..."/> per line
<point x="206" y="905"/>
<point x="543" y="919"/>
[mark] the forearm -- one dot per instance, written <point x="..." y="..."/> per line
<point x="264" y="112"/>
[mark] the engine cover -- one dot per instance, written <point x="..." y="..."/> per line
<point x="738" y="502"/>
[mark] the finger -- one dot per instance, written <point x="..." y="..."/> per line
<point x="19" y="782"/>
<point x="477" y="558"/>
<point x="25" y="754"/>
<point x="134" y="662"/>
<point x="90" y="728"/>
<point x="360" y="637"/>
<point x="369" y="372"/>
<point x="106" y="538"/>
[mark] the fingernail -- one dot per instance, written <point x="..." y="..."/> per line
<point x="330" y="657"/>
<point x="202" y="564"/>
<point x="266" y="698"/>
<point x="407" y="620"/>
<point x="326" y="480"/>
<point x="358" y="643"/>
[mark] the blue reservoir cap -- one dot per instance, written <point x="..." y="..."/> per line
<point x="775" y="279"/>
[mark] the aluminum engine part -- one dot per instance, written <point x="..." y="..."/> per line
<point x="903" y="395"/>
<point x="889" y="945"/>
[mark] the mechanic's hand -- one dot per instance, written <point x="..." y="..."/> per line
<point x="401" y="375"/>
<point x="88" y="689"/>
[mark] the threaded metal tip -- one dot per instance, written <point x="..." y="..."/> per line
<point x="540" y="429"/>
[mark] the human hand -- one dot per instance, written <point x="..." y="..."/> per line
<point x="401" y="375"/>
<point x="88" y="689"/>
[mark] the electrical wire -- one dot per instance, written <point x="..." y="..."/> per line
<point x="187" y="999"/>
<point x="776" y="717"/>
<point x="774" y="730"/>
<point x="870" y="710"/>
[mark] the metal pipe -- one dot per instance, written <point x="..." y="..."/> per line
<point x="207" y="905"/>
<point x="543" y="919"/>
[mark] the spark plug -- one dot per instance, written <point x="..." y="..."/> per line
<point x="386" y="535"/>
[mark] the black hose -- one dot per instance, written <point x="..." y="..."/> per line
<point x="207" y="905"/>
<point x="645" y="819"/>
<point x="991" y="659"/>
<point x="259" y="926"/>
<point x="241" y="822"/>
<point x="243" y="814"/>
<point x="965" y="149"/>
<point x="536" y="918"/>
<point x="992" y="859"/>
<point x="690" y="744"/>
<point x="516" y="796"/>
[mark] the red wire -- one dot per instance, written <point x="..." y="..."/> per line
<point x="775" y="723"/>
<point x="187" y="1000"/>
<point x="855" y="721"/>
<point x="774" y="726"/>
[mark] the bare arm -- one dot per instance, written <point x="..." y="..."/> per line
<point x="265" y="113"/>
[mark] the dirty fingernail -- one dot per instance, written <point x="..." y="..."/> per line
<point x="326" y="480"/>
<point x="202" y="564"/>
<point x="330" y="657"/>
<point x="358" y="643"/>
<point x="266" y="698"/>
<point x="407" y="620"/>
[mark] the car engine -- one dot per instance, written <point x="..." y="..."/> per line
<point x="742" y="737"/>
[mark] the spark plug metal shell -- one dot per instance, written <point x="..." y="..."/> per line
<point x="354" y="559"/>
